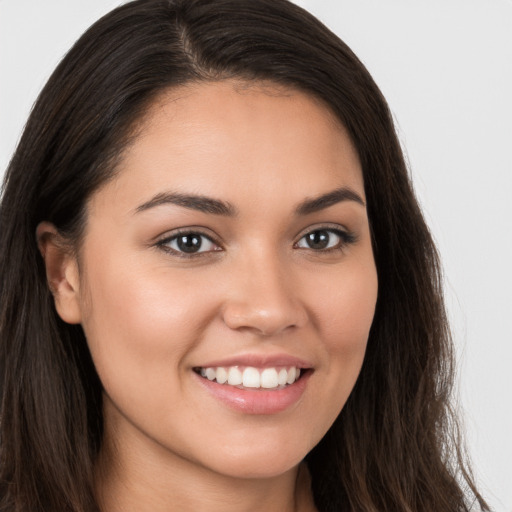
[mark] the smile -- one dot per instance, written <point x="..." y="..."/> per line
<point x="251" y="377"/>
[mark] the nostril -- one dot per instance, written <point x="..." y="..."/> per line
<point x="267" y="321"/>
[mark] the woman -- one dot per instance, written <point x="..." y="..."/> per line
<point x="218" y="290"/>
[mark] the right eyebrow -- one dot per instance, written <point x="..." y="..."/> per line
<point x="191" y="201"/>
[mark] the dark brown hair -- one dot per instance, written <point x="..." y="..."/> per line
<point x="394" y="447"/>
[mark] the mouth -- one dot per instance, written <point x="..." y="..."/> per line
<point x="256" y="384"/>
<point x="252" y="378"/>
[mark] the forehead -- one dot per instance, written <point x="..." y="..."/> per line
<point x="224" y="137"/>
<point x="235" y="98"/>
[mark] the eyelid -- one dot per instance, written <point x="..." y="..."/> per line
<point x="163" y="241"/>
<point x="347" y="236"/>
<point x="328" y="226"/>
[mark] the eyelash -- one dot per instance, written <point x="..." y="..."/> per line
<point x="164" y="244"/>
<point x="345" y="239"/>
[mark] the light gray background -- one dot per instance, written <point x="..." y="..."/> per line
<point x="445" y="67"/>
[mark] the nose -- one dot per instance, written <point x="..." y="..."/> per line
<point x="264" y="298"/>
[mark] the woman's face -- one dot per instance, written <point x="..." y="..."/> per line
<point x="233" y="244"/>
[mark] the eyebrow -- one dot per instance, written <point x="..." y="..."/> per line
<point x="191" y="201"/>
<point x="217" y="207"/>
<point x="324" y="201"/>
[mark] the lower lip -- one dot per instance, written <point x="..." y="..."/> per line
<point x="257" y="401"/>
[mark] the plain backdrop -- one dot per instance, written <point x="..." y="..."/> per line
<point x="445" y="67"/>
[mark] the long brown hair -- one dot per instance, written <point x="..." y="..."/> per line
<point x="394" y="447"/>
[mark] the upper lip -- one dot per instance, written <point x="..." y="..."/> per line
<point x="259" y="361"/>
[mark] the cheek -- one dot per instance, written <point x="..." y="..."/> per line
<point x="140" y="323"/>
<point x="344" y="314"/>
<point x="346" y="307"/>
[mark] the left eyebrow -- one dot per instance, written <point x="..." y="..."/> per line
<point x="315" y="204"/>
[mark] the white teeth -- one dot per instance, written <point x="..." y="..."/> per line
<point x="250" y="377"/>
<point x="292" y="372"/>
<point x="282" y="377"/>
<point x="269" y="378"/>
<point x="222" y="375"/>
<point x="234" y="376"/>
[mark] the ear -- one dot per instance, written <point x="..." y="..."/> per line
<point x="61" y="272"/>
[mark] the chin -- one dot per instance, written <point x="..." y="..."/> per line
<point x="256" y="464"/>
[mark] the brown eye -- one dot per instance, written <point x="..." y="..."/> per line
<point x="318" y="239"/>
<point x="324" y="239"/>
<point x="189" y="243"/>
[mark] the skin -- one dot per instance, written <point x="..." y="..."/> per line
<point x="151" y="316"/>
